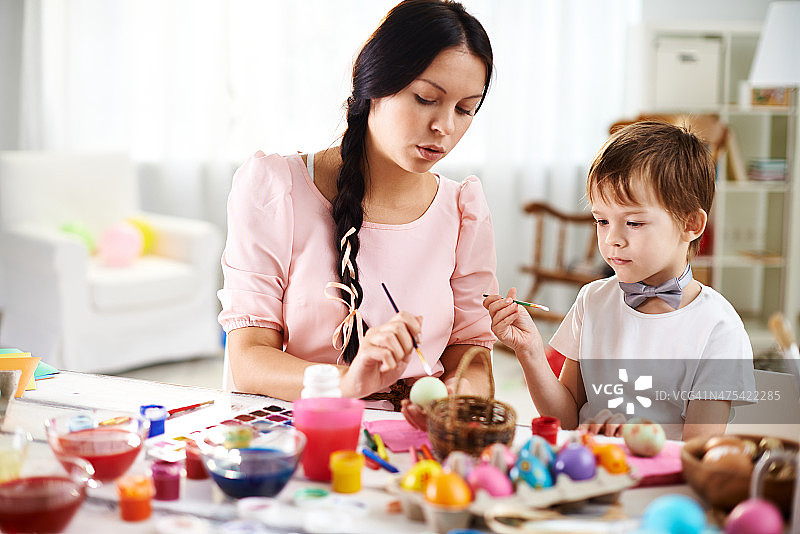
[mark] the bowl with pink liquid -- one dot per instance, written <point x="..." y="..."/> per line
<point x="109" y="444"/>
<point x="46" y="494"/>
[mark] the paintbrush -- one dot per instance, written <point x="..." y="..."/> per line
<point x="175" y="412"/>
<point x="782" y="331"/>
<point x="529" y="304"/>
<point x="414" y="341"/>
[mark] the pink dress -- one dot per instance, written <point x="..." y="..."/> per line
<point x="279" y="257"/>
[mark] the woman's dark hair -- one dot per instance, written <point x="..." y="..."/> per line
<point x="410" y="37"/>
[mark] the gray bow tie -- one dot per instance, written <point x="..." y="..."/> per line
<point x="669" y="291"/>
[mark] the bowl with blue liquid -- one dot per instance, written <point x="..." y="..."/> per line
<point x="248" y="462"/>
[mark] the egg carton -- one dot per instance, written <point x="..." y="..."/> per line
<point x="603" y="486"/>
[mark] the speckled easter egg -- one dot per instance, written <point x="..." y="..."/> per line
<point x="426" y="390"/>
<point x="531" y="471"/>
<point x="492" y="480"/>
<point x="643" y="437"/>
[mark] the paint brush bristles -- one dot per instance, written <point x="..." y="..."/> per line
<point x="528" y="304"/>
<point x="425" y="365"/>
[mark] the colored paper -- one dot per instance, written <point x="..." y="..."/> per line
<point x="662" y="469"/>
<point x="16" y="354"/>
<point x="26" y="363"/>
<point x="397" y="434"/>
<point x="44" y="370"/>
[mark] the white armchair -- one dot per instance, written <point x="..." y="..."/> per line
<point x="64" y="304"/>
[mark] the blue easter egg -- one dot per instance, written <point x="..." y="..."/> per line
<point x="674" y="514"/>
<point x="540" y="448"/>
<point x="532" y="471"/>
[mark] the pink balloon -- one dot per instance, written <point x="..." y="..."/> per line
<point x="120" y="245"/>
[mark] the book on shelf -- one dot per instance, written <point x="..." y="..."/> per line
<point x="736" y="168"/>
<point x="767" y="169"/>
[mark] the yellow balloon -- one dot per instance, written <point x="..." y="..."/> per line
<point x="148" y="234"/>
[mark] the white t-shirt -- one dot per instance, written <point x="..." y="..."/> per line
<point x="700" y="351"/>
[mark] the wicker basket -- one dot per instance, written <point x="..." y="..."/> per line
<point x="469" y="423"/>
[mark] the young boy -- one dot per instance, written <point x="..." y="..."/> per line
<point x="649" y="341"/>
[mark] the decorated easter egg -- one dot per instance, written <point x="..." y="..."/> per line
<point x="540" y="448"/>
<point x="448" y="489"/>
<point x="611" y="457"/>
<point x="426" y="390"/>
<point x="417" y="477"/>
<point x="643" y="437"/>
<point x="754" y="516"/>
<point x="489" y="478"/>
<point x="459" y="462"/>
<point x="499" y="455"/>
<point x="531" y="471"/>
<point x="575" y="461"/>
<point x="674" y="514"/>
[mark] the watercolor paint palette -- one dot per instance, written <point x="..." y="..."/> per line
<point x="263" y="419"/>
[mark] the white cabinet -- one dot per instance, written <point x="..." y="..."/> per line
<point x="754" y="253"/>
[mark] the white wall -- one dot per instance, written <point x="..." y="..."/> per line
<point x="718" y="10"/>
<point x="10" y="45"/>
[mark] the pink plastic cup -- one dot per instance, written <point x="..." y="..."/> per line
<point x="330" y="424"/>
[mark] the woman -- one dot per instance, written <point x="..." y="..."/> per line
<point x="312" y="237"/>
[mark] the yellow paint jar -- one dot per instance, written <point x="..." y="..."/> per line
<point x="346" y="469"/>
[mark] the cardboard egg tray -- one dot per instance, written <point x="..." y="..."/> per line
<point x="604" y="487"/>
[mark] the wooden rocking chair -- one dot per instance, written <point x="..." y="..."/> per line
<point x="554" y="227"/>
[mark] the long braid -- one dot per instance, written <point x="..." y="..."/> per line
<point x="413" y="33"/>
<point x="348" y="209"/>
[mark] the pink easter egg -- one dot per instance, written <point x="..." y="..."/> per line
<point x="754" y="516"/>
<point x="489" y="478"/>
<point x="120" y="245"/>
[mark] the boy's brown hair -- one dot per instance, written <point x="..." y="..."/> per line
<point x="670" y="160"/>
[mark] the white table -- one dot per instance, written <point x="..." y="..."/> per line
<point x="70" y="392"/>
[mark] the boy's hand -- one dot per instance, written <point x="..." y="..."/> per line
<point x="605" y="422"/>
<point x="510" y="323"/>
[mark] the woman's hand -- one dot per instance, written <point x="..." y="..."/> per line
<point x="512" y="325"/>
<point x="382" y="356"/>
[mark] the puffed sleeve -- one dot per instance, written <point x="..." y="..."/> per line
<point x="474" y="273"/>
<point x="255" y="262"/>
<point x="567" y="339"/>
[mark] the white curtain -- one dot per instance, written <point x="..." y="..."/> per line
<point x="190" y="88"/>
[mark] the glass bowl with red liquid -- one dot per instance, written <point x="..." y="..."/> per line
<point x="111" y="445"/>
<point x="46" y="495"/>
<point x="246" y="462"/>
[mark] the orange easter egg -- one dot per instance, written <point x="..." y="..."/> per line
<point x="448" y="489"/>
<point x="611" y="457"/>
